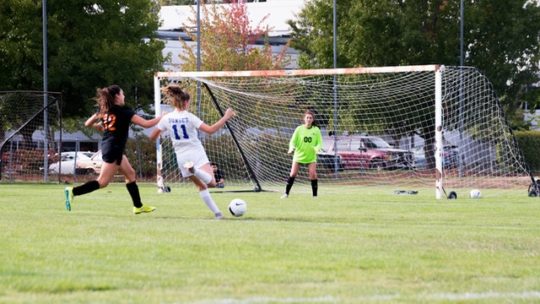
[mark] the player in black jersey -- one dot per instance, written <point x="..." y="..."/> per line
<point x="113" y="118"/>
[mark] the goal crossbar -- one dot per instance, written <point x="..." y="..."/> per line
<point x="313" y="72"/>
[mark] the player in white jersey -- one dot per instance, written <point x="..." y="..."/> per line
<point x="190" y="154"/>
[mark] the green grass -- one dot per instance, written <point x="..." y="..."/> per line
<point x="350" y="245"/>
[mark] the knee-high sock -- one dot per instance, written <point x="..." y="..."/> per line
<point x="314" y="186"/>
<point x="133" y="190"/>
<point x="203" y="176"/>
<point x="207" y="198"/>
<point x="86" y="188"/>
<point x="290" y="182"/>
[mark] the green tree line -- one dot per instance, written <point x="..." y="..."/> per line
<point x="501" y="39"/>
<point x="91" y="44"/>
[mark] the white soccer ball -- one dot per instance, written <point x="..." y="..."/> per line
<point x="237" y="207"/>
<point x="475" y="193"/>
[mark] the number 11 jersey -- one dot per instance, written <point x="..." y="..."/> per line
<point x="182" y="128"/>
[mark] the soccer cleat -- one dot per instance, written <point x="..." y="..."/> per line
<point x="189" y="166"/>
<point x="143" y="209"/>
<point x="68" y="192"/>
<point x="285" y="195"/>
<point x="219" y="216"/>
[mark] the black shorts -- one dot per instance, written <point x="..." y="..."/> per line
<point x="112" y="153"/>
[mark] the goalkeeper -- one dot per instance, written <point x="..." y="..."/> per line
<point x="306" y="141"/>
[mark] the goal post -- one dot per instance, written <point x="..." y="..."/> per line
<point x="408" y="127"/>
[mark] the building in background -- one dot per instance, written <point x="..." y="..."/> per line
<point x="277" y="12"/>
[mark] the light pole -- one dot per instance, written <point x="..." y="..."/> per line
<point x="198" y="56"/>
<point x="45" y="90"/>
<point x="461" y="21"/>
<point x="461" y="62"/>
<point x="334" y="46"/>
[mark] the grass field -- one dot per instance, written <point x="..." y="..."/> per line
<point x="350" y="245"/>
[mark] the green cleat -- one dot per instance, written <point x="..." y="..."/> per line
<point x="68" y="192"/>
<point x="143" y="209"/>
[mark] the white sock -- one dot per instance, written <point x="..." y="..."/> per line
<point x="203" y="176"/>
<point x="207" y="198"/>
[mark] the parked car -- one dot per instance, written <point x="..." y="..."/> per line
<point x="369" y="152"/>
<point x="86" y="163"/>
<point x="450" y="157"/>
<point x="326" y="160"/>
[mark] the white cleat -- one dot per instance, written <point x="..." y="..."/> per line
<point x="285" y="195"/>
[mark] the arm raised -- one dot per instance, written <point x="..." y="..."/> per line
<point x="94" y="122"/>
<point x="229" y="113"/>
<point x="136" y="119"/>
<point x="155" y="134"/>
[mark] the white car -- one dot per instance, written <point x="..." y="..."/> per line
<point x="86" y="163"/>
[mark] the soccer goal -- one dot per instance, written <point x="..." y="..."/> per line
<point x="28" y="121"/>
<point x="408" y="127"/>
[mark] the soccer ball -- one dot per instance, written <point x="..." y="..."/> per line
<point x="475" y="193"/>
<point x="237" y="207"/>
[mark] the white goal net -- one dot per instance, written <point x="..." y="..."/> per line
<point x="28" y="122"/>
<point x="410" y="127"/>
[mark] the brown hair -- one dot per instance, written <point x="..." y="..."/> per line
<point x="312" y="113"/>
<point x="105" y="97"/>
<point x="175" y="96"/>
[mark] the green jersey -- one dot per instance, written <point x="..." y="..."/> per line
<point x="306" y="143"/>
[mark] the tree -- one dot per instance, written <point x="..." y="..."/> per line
<point x="228" y="44"/>
<point x="91" y="44"/>
<point x="227" y="41"/>
<point x="501" y="38"/>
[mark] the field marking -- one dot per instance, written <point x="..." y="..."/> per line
<point x="524" y="295"/>
<point x="258" y="300"/>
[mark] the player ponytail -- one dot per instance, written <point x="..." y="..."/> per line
<point x="105" y="97"/>
<point x="175" y="96"/>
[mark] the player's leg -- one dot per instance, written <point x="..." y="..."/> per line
<point x="197" y="163"/>
<point x="207" y="171"/>
<point x="131" y="184"/>
<point x="290" y="181"/>
<point x="112" y="158"/>
<point x="312" y="171"/>
<point x="206" y="197"/>
<point x="105" y="176"/>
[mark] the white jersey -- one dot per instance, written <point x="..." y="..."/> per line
<point x="182" y="127"/>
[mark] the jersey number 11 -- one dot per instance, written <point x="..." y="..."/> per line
<point x="184" y="133"/>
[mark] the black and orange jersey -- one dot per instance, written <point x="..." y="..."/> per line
<point x="116" y="126"/>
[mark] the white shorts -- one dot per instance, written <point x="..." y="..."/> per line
<point x="197" y="156"/>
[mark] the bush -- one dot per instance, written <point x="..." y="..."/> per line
<point x="141" y="152"/>
<point x="529" y="143"/>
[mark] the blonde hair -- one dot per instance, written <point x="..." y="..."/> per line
<point x="175" y="96"/>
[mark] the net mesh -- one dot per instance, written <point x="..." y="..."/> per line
<point x="27" y="133"/>
<point x="378" y="129"/>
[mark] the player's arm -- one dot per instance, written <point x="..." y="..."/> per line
<point x="292" y="142"/>
<point x="155" y="134"/>
<point x="318" y="142"/>
<point x="94" y="122"/>
<point x="161" y="126"/>
<point x="145" y="123"/>
<point x="229" y="113"/>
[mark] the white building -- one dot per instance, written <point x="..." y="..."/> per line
<point x="277" y="12"/>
